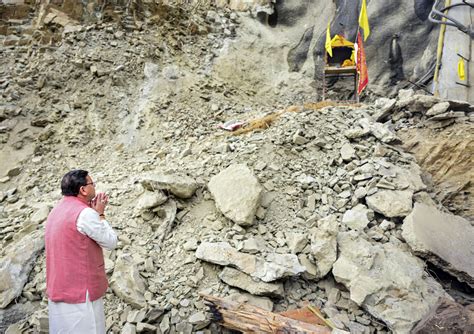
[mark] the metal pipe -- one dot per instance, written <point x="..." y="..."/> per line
<point x="439" y="52"/>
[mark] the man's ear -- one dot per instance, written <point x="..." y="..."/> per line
<point x="82" y="191"/>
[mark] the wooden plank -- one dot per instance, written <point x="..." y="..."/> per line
<point x="340" y="70"/>
<point x="251" y="319"/>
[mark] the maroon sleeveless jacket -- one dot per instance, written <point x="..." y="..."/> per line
<point x="74" y="262"/>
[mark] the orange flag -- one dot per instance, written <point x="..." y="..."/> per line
<point x="361" y="65"/>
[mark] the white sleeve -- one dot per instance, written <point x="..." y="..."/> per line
<point x="90" y="224"/>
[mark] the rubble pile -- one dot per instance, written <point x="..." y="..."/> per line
<point x="440" y="135"/>
<point x="411" y="108"/>
<point x="324" y="206"/>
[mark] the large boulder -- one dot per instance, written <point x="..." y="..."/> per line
<point x="237" y="193"/>
<point x="16" y="263"/>
<point x="391" y="203"/>
<point x="127" y="283"/>
<point x="181" y="186"/>
<point x="442" y="238"/>
<point x="386" y="280"/>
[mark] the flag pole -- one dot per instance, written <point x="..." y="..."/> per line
<point x="358" y="25"/>
<point x="356" y="42"/>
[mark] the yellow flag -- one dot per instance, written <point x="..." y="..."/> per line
<point x="364" y="20"/>
<point x="328" y="41"/>
<point x="461" y="70"/>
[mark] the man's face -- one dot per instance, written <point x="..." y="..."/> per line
<point x="89" y="188"/>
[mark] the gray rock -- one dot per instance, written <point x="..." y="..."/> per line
<point x="41" y="214"/>
<point x="165" y="216"/>
<point x="311" y="272"/>
<point x="391" y="203"/>
<point x="407" y="178"/>
<point x="425" y="198"/>
<point x="136" y="316"/>
<point x="296" y="241"/>
<point x="447" y="115"/>
<point x="128" y="328"/>
<point x="460" y="105"/>
<point x="356" y="328"/>
<point x="442" y="238"/>
<point x="356" y="133"/>
<point x="237" y="193"/>
<point x="438" y="108"/>
<point x="253" y="245"/>
<point x="360" y="193"/>
<point x="14" y="171"/>
<point x="236" y="278"/>
<point x="165" y="324"/>
<point x="379" y="131"/>
<point x="191" y="244"/>
<point x="357" y="217"/>
<point x="15" y="265"/>
<point x="386" y="109"/>
<point x="181" y="186"/>
<point x="383" y="133"/>
<point x="13" y="314"/>
<point x="299" y="139"/>
<point x="199" y="320"/>
<point x="386" y="225"/>
<point x="151" y="199"/>
<point x="405" y="94"/>
<point x="224" y="254"/>
<point x="417" y="103"/>
<point x="276" y="266"/>
<point x="143" y="327"/>
<point x="127" y="283"/>
<point x="347" y="152"/>
<point x="324" y="244"/>
<point x="171" y="72"/>
<point x="386" y="280"/>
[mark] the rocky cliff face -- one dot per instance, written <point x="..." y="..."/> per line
<point x="295" y="32"/>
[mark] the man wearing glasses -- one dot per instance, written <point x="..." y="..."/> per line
<point x="76" y="231"/>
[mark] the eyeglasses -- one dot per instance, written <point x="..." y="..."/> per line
<point x="89" y="183"/>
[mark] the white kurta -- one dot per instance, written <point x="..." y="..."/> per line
<point x="85" y="317"/>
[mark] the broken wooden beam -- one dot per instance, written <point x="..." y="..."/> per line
<point x="251" y="319"/>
